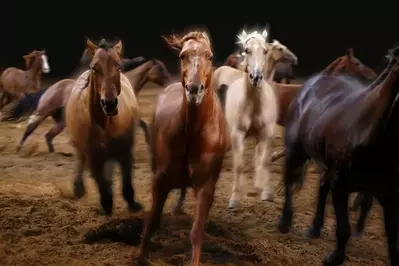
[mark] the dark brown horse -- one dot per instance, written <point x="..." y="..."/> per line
<point x="347" y="128"/>
<point x="101" y="115"/>
<point x="284" y="69"/>
<point x="188" y="139"/>
<point x="53" y="101"/>
<point x="15" y="83"/>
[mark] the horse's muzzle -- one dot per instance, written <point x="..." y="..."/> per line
<point x="110" y="107"/>
<point x="195" y="92"/>
<point x="255" y="78"/>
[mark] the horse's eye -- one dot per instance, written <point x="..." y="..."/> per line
<point x="265" y="51"/>
<point x="210" y="58"/>
<point x="182" y="56"/>
<point x="247" y="51"/>
<point x="281" y="49"/>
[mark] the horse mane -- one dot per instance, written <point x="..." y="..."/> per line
<point x="178" y="42"/>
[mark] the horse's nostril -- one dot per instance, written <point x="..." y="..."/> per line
<point x="102" y="101"/>
<point x="201" y="87"/>
<point x="116" y="101"/>
<point x="251" y="76"/>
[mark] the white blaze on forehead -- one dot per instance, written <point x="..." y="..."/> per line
<point x="45" y="65"/>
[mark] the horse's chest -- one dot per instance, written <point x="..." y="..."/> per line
<point x="252" y="118"/>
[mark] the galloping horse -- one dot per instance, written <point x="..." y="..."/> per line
<point x="225" y="75"/>
<point x="189" y="139"/>
<point x="346" y="127"/>
<point x="101" y="115"/>
<point x="251" y="110"/>
<point x="284" y="68"/>
<point x="15" y="83"/>
<point x="53" y="101"/>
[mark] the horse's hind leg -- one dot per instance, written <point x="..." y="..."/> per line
<point x="318" y="220"/>
<point x="126" y="162"/>
<point x="237" y="139"/>
<point x="178" y="208"/>
<point x="365" y="204"/>
<point x="33" y="122"/>
<point x="294" y="170"/>
<point x="340" y="202"/>
<point x="55" y="130"/>
<point x="79" y="189"/>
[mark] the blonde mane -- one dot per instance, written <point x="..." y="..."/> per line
<point x="244" y="37"/>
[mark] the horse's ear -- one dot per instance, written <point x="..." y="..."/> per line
<point x="349" y="52"/>
<point x="173" y="43"/>
<point x="91" y="47"/>
<point x="118" y="48"/>
<point x="264" y="34"/>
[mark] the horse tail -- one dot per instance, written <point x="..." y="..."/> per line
<point x="26" y="105"/>
<point x="130" y="64"/>
<point x="221" y="92"/>
<point x="146" y="130"/>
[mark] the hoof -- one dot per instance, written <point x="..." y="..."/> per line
<point x="313" y="232"/>
<point x="284" y="225"/>
<point x="135" y="207"/>
<point x="267" y="197"/>
<point x="333" y="260"/>
<point x="49" y="145"/>
<point x="233" y="204"/>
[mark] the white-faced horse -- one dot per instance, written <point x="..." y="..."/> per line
<point x="224" y="76"/>
<point x="251" y="110"/>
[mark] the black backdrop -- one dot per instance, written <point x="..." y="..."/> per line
<point x="316" y="40"/>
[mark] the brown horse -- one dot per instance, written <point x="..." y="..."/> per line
<point x="348" y="128"/>
<point x="188" y="139"/>
<point x="101" y="115"/>
<point x="15" y="83"/>
<point x="53" y="101"/>
<point x="283" y="69"/>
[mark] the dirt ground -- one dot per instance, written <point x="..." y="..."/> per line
<point x="39" y="226"/>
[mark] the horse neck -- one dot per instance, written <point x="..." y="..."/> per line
<point x="270" y="68"/>
<point x="33" y="77"/>
<point x="146" y="73"/>
<point x="196" y="115"/>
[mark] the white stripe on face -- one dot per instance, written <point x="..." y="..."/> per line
<point x="45" y="65"/>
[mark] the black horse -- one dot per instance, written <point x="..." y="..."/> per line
<point x="352" y="131"/>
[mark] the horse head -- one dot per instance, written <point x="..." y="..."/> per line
<point x="280" y="52"/>
<point x="105" y="68"/>
<point x="255" y="48"/>
<point x="196" y="55"/>
<point x="37" y="59"/>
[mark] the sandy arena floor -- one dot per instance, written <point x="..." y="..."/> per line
<point x="39" y="226"/>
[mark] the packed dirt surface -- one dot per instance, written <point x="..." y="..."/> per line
<point x="40" y="225"/>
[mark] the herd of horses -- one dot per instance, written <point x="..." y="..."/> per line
<point x="343" y="118"/>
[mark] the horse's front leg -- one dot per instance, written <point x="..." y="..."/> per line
<point x="365" y="204"/>
<point x="262" y="173"/>
<point x="178" y="208"/>
<point x="237" y="141"/>
<point x="340" y="202"/>
<point x="79" y="189"/>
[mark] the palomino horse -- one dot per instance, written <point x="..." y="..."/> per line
<point x="251" y="110"/>
<point x="347" y="127"/>
<point x="284" y="68"/>
<point x="15" y="83"/>
<point x="53" y="101"/>
<point x="225" y="75"/>
<point x="189" y="139"/>
<point x="101" y="116"/>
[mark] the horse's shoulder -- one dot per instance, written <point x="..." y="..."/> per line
<point x="82" y="81"/>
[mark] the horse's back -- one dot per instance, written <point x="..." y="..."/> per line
<point x="226" y="75"/>
<point x="56" y="96"/>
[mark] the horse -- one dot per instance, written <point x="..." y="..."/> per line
<point x="15" y="83"/>
<point x="225" y="75"/>
<point x="284" y="68"/>
<point x="347" y="64"/>
<point x="53" y="101"/>
<point x="188" y="139"/>
<point x="251" y="111"/>
<point x="101" y="115"/>
<point x="321" y="125"/>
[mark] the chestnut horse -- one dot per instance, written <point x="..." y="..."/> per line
<point x="101" y="115"/>
<point x="53" y="101"/>
<point x="15" y="83"/>
<point x="188" y="139"/>
<point x="284" y="68"/>
<point x="347" y="127"/>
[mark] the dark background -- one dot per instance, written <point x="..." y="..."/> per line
<point x="317" y="39"/>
